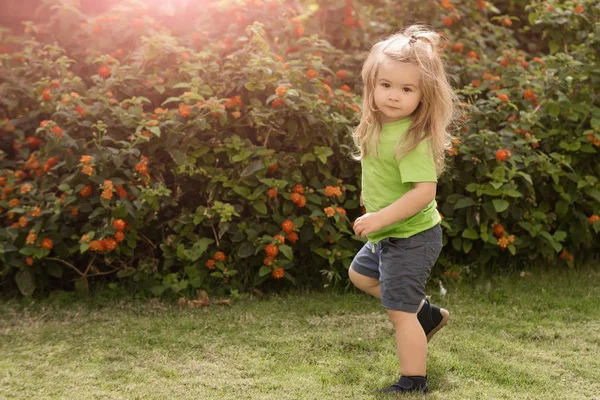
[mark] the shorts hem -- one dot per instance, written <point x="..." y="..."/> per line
<point x="409" y="308"/>
<point x="365" y="271"/>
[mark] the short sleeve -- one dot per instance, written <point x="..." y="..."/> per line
<point x="418" y="165"/>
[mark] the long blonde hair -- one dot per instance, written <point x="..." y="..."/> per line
<point x="431" y="120"/>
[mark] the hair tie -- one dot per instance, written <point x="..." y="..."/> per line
<point x="412" y="40"/>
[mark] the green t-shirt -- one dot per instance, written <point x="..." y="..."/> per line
<point x="385" y="179"/>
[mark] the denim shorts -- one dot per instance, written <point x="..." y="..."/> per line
<point x="402" y="267"/>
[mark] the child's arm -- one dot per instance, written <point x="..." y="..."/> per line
<point x="406" y="206"/>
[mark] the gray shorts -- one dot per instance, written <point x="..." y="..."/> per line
<point x="402" y="267"/>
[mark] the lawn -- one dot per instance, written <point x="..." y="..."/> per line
<point x="532" y="337"/>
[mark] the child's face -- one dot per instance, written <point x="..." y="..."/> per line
<point x="397" y="91"/>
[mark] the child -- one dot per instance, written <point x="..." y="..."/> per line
<point x="402" y="138"/>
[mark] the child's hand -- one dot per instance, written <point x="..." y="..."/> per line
<point x="367" y="224"/>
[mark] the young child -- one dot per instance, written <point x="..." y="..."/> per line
<point x="402" y="138"/>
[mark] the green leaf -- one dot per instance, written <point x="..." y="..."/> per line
<point x="553" y="47"/>
<point x="467" y="246"/>
<point x="560" y="236"/>
<point x="260" y="206"/>
<point x="124" y="273"/>
<point x="470" y="234"/>
<point x="561" y="208"/>
<point x="512" y="193"/>
<point x="155" y="130"/>
<point x="555" y="245"/>
<point x="242" y="191"/>
<point x="246" y="250"/>
<point x="457" y="243"/>
<point x="264" y="271"/>
<point x="287" y="251"/>
<point x="307" y="157"/>
<point x="252" y="168"/>
<point x="25" y="282"/>
<point x="464" y="202"/>
<point x="500" y="205"/>
<point x="472" y="187"/>
<point x="178" y="156"/>
<point x="199" y="248"/>
<point x="323" y="153"/>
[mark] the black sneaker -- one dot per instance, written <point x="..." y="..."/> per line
<point x="432" y="318"/>
<point x="408" y="384"/>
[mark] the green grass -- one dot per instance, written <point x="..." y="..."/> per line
<point x="511" y="338"/>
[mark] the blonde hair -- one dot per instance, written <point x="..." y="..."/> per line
<point x="434" y="115"/>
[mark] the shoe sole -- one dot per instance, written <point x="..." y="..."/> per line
<point x="443" y="322"/>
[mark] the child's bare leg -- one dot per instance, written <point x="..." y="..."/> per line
<point x="411" y="343"/>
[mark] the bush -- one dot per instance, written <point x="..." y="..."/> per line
<point x="217" y="157"/>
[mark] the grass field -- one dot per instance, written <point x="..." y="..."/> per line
<point x="536" y="337"/>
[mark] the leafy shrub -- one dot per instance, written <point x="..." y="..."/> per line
<point x="216" y="154"/>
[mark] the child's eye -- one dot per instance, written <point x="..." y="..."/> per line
<point x="407" y="89"/>
<point x="385" y="85"/>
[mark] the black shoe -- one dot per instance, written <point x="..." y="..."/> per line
<point x="432" y="318"/>
<point x="408" y="384"/>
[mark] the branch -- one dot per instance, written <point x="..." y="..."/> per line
<point x="67" y="264"/>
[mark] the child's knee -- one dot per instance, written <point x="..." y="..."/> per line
<point x="360" y="281"/>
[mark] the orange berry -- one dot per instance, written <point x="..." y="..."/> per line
<point x="578" y="9"/>
<point x="119" y="224"/>
<point x="81" y="111"/>
<point x="298" y="188"/>
<point x="341" y="74"/>
<point x="57" y="130"/>
<point x="278" y="273"/>
<point x="277" y="103"/>
<point x="529" y="94"/>
<point x="473" y="55"/>
<point x="184" y="110"/>
<point x="280" y="91"/>
<point x="219" y="256"/>
<point x="272" y="250"/>
<point x="280" y="239"/>
<point x="448" y="21"/>
<point x="502" y="155"/>
<point x="272" y="193"/>
<point x="110" y="244"/>
<point x="594" y="218"/>
<point x="46" y="95"/>
<point x="119" y="236"/>
<point x="85" y="191"/>
<point x="273" y="167"/>
<point x="268" y="261"/>
<point x="498" y="230"/>
<point x="104" y="71"/>
<point x="210" y="264"/>
<point x="287" y="226"/>
<point x="292" y="237"/>
<point x="47" y="243"/>
<point x="503" y="97"/>
<point x="298" y="31"/>
<point x="312" y="74"/>
<point x="329" y="211"/>
<point x="458" y="47"/>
